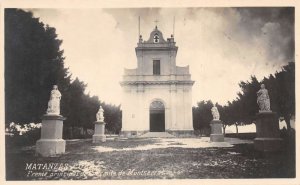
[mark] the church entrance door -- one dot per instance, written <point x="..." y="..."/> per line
<point x="157" y="117"/>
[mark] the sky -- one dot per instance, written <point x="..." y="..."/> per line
<point x="222" y="46"/>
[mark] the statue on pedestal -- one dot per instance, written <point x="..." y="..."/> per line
<point x="216" y="134"/>
<point x="215" y="113"/>
<point x="99" y="115"/>
<point x="99" y="133"/>
<point x="263" y="99"/>
<point x="54" y="102"/>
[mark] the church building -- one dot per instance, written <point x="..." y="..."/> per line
<point x="157" y="95"/>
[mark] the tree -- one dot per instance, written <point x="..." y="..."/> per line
<point x="246" y="105"/>
<point x="76" y="104"/>
<point x="282" y="92"/>
<point x="202" y="115"/>
<point x="223" y="116"/>
<point x="112" y="118"/>
<point x="243" y="109"/>
<point x="281" y="88"/>
<point x="33" y="64"/>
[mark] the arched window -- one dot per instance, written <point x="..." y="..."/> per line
<point x="157" y="105"/>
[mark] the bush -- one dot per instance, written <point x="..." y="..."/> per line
<point x="22" y="135"/>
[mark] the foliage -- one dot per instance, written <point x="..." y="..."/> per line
<point x="281" y="88"/>
<point x="25" y="134"/>
<point x="34" y="63"/>
<point x="243" y="109"/>
<point x="283" y="92"/>
<point x="202" y="115"/>
<point x="17" y="129"/>
<point x="112" y="118"/>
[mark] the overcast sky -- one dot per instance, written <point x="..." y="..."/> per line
<point x="222" y="46"/>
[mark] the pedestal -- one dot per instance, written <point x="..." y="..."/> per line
<point x="267" y="132"/>
<point x="99" y="134"/>
<point x="51" y="142"/>
<point x="216" y="131"/>
<point x="182" y="133"/>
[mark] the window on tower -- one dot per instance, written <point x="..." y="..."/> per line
<point x="156" y="67"/>
<point x="156" y="38"/>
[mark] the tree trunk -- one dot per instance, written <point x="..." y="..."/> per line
<point x="224" y="127"/>
<point x="287" y="119"/>
<point x="236" y="127"/>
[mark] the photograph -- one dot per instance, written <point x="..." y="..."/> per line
<point x="149" y="93"/>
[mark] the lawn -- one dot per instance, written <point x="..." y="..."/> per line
<point x="145" y="158"/>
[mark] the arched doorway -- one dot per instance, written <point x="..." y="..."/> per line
<point x="157" y="117"/>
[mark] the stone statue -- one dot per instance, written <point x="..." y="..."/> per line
<point x="215" y="113"/>
<point x="263" y="99"/>
<point x="99" y="115"/>
<point x="54" y="102"/>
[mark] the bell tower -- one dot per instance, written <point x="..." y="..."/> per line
<point x="156" y="56"/>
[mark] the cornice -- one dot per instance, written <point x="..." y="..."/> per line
<point x="186" y="82"/>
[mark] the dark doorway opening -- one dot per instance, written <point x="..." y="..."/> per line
<point x="157" y="117"/>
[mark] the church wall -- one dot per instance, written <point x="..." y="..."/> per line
<point x="177" y="102"/>
<point x="145" y="65"/>
<point x="183" y="120"/>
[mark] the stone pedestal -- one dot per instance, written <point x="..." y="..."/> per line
<point x="267" y="132"/>
<point x="99" y="134"/>
<point x="216" y="131"/>
<point x="51" y="142"/>
<point x="181" y="133"/>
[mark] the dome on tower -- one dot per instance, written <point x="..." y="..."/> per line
<point x="156" y="36"/>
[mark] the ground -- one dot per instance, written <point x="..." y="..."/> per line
<point x="150" y="158"/>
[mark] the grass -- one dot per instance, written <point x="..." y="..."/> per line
<point x="84" y="162"/>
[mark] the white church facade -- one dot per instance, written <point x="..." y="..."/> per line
<point x="157" y="95"/>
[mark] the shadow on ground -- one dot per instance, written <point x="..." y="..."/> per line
<point x="82" y="161"/>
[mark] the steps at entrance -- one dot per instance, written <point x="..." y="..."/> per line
<point x="157" y="134"/>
